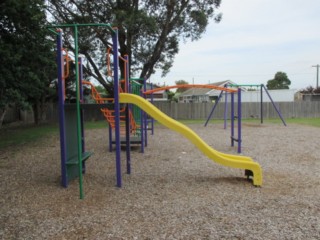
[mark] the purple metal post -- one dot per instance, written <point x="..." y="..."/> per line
<point x="261" y="104"/>
<point x="127" y="118"/>
<point x="152" y="120"/>
<point x="239" y="120"/>
<point x="81" y="111"/>
<point x="110" y="137"/>
<point x="80" y="78"/>
<point x="213" y="108"/>
<point x="145" y="116"/>
<point x="142" y="128"/>
<point x="64" y="179"/>
<point x="116" y="105"/>
<point x="274" y="105"/>
<point x="225" y="111"/>
<point x="232" y="119"/>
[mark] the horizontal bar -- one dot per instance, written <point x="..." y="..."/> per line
<point x="244" y="85"/>
<point x="83" y="25"/>
<point x="191" y="86"/>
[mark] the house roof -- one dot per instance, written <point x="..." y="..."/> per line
<point x="222" y="83"/>
<point x="195" y="91"/>
<point x="204" y="91"/>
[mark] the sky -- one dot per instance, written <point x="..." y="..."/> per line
<point x="254" y="40"/>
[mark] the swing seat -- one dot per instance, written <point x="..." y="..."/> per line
<point x="234" y="139"/>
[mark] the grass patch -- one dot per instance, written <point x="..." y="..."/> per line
<point x="13" y="136"/>
<point x="95" y="124"/>
<point x="20" y="135"/>
<point x="25" y="134"/>
<point x="315" y="122"/>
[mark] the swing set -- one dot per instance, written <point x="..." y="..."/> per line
<point x="262" y="89"/>
<point x="71" y="119"/>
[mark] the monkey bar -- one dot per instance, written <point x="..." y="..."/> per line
<point x="190" y="86"/>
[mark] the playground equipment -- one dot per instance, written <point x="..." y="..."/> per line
<point x="135" y="114"/>
<point x="251" y="168"/>
<point x="72" y="140"/>
<point x="262" y="88"/>
<point x="73" y="156"/>
<point x="109" y="113"/>
<point x="223" y="89"/>
<point x="233" y="138"/>
<point x="239" y="112"/>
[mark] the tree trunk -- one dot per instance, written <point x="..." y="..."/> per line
<point x="39" y="110"/>
<point x="2" y="115"/>
<point x="43" y="109"/>
<point x="36" y="111"/>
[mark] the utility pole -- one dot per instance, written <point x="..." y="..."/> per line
<point x="317" y="66"/>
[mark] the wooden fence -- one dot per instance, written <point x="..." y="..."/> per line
<point x="182" y="111"/>
<point x="249" y="110"/>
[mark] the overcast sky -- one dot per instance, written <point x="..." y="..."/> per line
<point x="254" y="40"/>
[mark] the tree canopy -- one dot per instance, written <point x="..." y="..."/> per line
<point x="26" y="54"/>
<point x="310" y="90"/>
<point x="149" y="31"/>
<point x="280" y="81"/>
<point x="181" y="82"/>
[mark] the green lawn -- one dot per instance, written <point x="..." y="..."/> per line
<point x="315" y="122"/>
<point x="20" y="135"/>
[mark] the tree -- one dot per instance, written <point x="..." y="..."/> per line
<point x="280" y="81"/>
<point x="170" y="95"/>
<point x="149" y="31"/>
<point x="310" y="90"/>
<point x="26" y="55"/>
<point x="181" y="82"/>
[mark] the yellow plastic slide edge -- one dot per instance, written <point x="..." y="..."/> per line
<point x="228" y="160"/>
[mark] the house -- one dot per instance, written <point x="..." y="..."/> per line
<point x="203" y="94"/>
<point x="209" y="95"/>
<point x="161" y="95"/>
<point x="310" y="97"/>
<point x="277" y="95"/>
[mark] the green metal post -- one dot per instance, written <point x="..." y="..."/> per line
<point x="78" y="110"/>
<point x="79" y="143"/>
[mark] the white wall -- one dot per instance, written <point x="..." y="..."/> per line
<point x="280" y="95"/>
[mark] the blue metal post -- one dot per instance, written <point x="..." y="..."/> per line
<point x="239" y="120"/>
<point x="152" y="120"/>
<point x="225" y="110"/>
<point x="142" y="128"/>
<point x="232" y="119"/>
<point x="275" y="107"/>
<point x="127" y="79"/>
<point x="144" y="114"/>
<point x="116" y="106"/>
<point x="261" y="104"/>
<point x="62" y="127"/>
<point x="81" y="111"/>
<point x="110" y="137"/>
<point x="213" y="108"/>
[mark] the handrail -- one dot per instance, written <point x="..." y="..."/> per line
<point x="190" y="86"/>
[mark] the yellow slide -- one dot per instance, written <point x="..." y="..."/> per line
<point x="235" y="161"/>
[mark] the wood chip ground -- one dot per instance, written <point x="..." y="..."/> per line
<point x="174" y="192"/>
